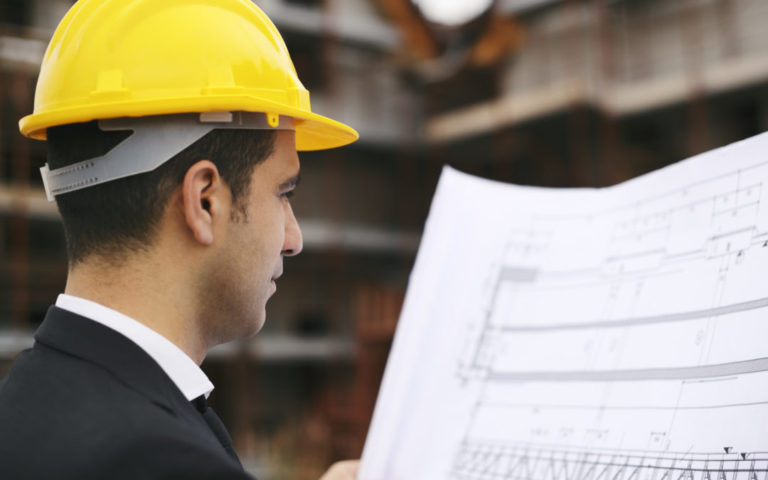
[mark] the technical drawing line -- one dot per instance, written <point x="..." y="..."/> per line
<point x="640" y="233"/>
<point x="737" y="208"/>
<point x="732" y="232"/>
<point x="489" y="461"/>
<point x="628" y="322"/>
<point x="678" y="373"/>
<point x="635" y="255"/>
<point x="587" y="471"/>
<point x="628" y="407"/>
<point x="707" y="380"/>
<point x="730" y="462"/>
<point x="571" y="273"/>
<point x="519" y="274"/>
<point x="603" y="279"/>
<point x="695" y="254"/>
<point x="612" y="277"/>
<point x="571" y="450"/>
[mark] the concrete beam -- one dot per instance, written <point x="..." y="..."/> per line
<point x="348" y="24"/>
<point x="618" y="99"/>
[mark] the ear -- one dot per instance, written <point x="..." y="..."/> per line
<point x="204" y="197"/>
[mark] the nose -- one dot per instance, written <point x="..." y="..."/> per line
<point x="293" y="239"/>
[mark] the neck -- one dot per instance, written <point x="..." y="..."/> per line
<point x="146" y="292"/>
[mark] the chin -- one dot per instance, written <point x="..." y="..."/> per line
<point x="256" y="325"/>
<point x="248" y="326"/>
<point x="254" y="330"/>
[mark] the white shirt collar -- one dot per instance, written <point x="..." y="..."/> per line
<point x="181" y="369"/>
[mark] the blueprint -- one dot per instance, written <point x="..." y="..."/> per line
<point x="585" y="334"/>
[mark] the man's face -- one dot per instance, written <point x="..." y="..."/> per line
<point x="250" y="258"/>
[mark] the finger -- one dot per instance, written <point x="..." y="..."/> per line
<point x="344" y="470"/>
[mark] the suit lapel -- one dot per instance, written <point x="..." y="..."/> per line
<point x="81" y="337"/>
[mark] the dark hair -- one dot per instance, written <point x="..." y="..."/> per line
<point x="122" y="216"/>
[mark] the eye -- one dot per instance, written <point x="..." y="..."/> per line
<point x="288" y="195"/>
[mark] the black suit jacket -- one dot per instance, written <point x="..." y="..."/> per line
<point x="87" y="403"/>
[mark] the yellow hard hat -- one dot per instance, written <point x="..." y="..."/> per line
<point x="136" y="58"/>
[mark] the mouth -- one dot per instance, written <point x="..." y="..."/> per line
<point x="273" y="281"/>
<point x="278" y="274"/>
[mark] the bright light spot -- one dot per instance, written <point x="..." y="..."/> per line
<point x="452" y="12"/>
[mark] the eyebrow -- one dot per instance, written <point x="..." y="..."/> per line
<point x="291" y="182"/>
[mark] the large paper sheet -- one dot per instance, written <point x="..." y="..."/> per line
<point x="586" y="334"/>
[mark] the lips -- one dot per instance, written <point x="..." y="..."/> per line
<point x="277" y="275"/>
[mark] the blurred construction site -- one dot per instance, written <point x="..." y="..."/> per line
<point x="561" y="93"/>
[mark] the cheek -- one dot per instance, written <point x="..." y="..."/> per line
<point x="265" y="242"/>
<point x="265" y="236"/>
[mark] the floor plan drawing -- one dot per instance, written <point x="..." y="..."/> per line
<point x="586" y="334"/>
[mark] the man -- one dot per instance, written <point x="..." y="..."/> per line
<point x="172" y="130"/>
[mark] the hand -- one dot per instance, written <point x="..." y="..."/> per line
<point x="346" y="470"/>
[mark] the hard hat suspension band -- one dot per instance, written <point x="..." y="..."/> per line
<point x="154" y="141"/>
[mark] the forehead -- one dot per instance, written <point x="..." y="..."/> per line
<point x="284" y="154"/>
<point x="283" y="163"/>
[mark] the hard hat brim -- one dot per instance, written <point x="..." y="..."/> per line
<point x="313" y="131"/>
